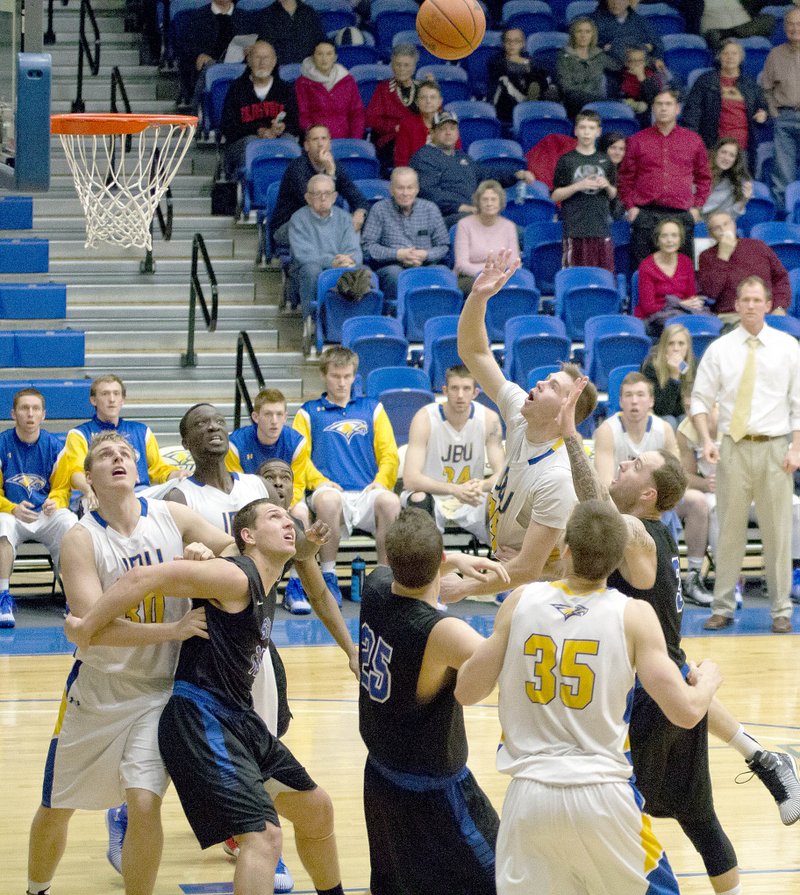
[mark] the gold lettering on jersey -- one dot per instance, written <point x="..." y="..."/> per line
<point x="575" y="677"/>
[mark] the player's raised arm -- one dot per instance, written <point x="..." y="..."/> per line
<point x="473" y="340"/>
<point x="683" y="705"/>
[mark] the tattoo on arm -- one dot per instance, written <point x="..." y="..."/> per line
<point x="584" y="478"/>
<point x="638" y="536"/>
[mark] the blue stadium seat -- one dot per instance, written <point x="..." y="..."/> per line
<point x="351" y="55"/>
<point x="580" y="8"/>
<point x="476" y="120"/>
<point x="615" y="116"/>
<point x="662" y="18"/>
<point x="533" y="209"/>
<point x="367" y="78"/>
<point x="543" y="48"/>
<point x="216" y="81"/>
<point x="759" y="209"/>
<point x="289" y="72"/>
<point x="370" y="325"/>
<point x="65" y="399"/>
<point x="16" y="212"/>
<point x="440" y="350"/>
<point x="613" y="340"/>
<point x="784" y="323"/>
<point x="559" y="10"/>
<point x="265" y="163"/>
<point x="530" y="16"/>
<point x="401" y="404"/>
<point x="500" y="157"/>
<point x="703" y="328"/>
<point x="519" y="297"/>
<point x="783" y="239"/>
<point x="584" y="292"/>
<point x="694" y="74"/>
<point x="536" y="119"/>
<point x="49" y="348"/>
<point x="621" y="237"/>
<point x="378" y="341"/>
<point x="32" y="301"/>
<point x="8" y="350"/>
<point x="477" y="63"/>
<point x="334" y="14"/>
<point x="756" y="50"/>
<point x="357" y="157"/>
<point x="684" y="52"/>
<point x="30" y="255"/>
<point x="383" y="378"/>
<point x="778" y="35"/>
<point x="537" y="374"/>
<point x="542" y="253"/>
<point x="792" y="202"/>
<point x="331" y="310"/>
<point x="453" y="81"/>
<point x="532" y="341"/>
<point x="424" y="292"/>
<point x="615" y="378"/>
<point x="389" y="17"/>
<point x="373" y="189"/>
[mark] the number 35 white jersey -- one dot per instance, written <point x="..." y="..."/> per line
<point x="566" y="687"/>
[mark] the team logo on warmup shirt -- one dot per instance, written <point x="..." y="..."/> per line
<point x="29" y="483"/>
<point x="348" y="429"/>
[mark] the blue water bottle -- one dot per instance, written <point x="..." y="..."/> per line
<point x="357" y="573"/>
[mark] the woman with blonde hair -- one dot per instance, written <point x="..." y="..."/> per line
<point x="581" y="67"/>
<point x="483" y="233"/>
<point x="671" y="367"/>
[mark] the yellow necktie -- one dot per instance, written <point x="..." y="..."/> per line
<point x="744" y="397"/>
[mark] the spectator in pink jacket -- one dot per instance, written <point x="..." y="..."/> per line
<point x="327" y="94"/>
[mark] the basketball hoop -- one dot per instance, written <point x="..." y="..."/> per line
<point x="122" y="165"/>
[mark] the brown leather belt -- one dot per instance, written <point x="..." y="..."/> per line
<point x="758" y="437"/>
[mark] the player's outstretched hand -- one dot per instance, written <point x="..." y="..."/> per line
<point x="76" y="632"/>
<point x="319" y="533"/>
<point x="479" y="567"/>
<point x="196" y="551"/>
<point x="193" y="624"/>
<point x="496" y="272"/>
<point x="566" y="416"/>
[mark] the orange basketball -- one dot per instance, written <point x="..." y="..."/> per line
<point x="451" y="29"/>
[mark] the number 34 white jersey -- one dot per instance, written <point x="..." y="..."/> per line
<point x="565" y="687"/>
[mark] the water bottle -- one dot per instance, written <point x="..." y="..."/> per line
<point x="521" y="193"/>
<point x="357" y="572"/>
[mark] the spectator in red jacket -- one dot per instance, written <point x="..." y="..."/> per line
<point x="327" y="94"/>
<point x="415" y="130"/>
<point x="392" y="101"/>
<point x="667" y="285"/>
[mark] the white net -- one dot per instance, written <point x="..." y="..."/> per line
<point x="120" y="179"/>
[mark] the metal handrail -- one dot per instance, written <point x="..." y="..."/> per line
<point x="189" y="359"/>
<point x="243" y="344"/>
<point x="85" y="51"/>
<point x="50" y="35"/>
<point x="118" y="85"/>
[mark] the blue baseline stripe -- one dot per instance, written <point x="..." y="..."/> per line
<point x="752" y="621"/>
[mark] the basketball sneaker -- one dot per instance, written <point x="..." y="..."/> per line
<point x="7" y="607"/>
<point x="694" y="591"/>
<point x="117" y="824"/>
<point x="333" y="586"/>
<point x="295" y="599"/>
<point x="283" y="879"/>
<point x="778" y="772"/>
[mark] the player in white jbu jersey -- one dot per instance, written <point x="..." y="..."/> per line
<point x="105" y="744"/>
<point x="448" y="446"/>
<point x="565" y="655"/>
<point x="533" y="495"/>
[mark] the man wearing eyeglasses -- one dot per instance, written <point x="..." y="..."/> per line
<point x="321" y="235"/>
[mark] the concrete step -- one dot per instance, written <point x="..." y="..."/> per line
<point x="176" y="397"/>
<point x="140" y="106"/>
<point x="183" y="226"/>
<point x="192" y="185"/>
<point x="124" y="342"/>
<point x="99" y="89"/>
<point x="116" y="49"/>
<point x="67" y="21"/>
<point x="62" y="206"/>
<point x="131" y="72"/>
<point x="169" y="316"/>
<point x="66" y="249"/>
<point x="167" y="364"/>
<point x="91" y="296"/>
<point x="59" y="167"/>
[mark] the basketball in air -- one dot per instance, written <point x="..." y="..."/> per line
<point x="451" y="29"/>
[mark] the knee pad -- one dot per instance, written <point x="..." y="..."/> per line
<point x="425" y="504"/>
<point x="712" y="844"/>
